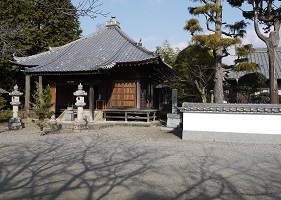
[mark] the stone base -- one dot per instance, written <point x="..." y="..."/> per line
<point x="15" y="124"/>
<point x="98" y="115"/>
<point x="255" y="138"/>
<point x="80" y="125"/>
<point x="173" y="120"/>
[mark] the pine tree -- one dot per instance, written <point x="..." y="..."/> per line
<point x="242" y="63"/>
<point x="212" y="11"/>
<point x="266" y="13"/>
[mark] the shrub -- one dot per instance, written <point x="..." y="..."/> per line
<point x="5" y="115"/>
<point x="42" y="105"/>
<point x="3" y="102"/>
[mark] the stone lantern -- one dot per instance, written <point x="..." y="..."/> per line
<point x="80" y="94"/>
<point x="15" y="122"/>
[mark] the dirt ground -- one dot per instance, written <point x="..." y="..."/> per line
<point x="134" y="163"/>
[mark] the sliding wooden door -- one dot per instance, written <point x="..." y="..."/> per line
<point x="123" y="94"/>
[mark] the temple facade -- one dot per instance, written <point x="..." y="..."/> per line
<point x="116" y="71"/>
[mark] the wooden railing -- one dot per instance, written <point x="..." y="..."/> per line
<point x="130" y="115"/>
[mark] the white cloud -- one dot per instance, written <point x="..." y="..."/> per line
<point x="180" y="45"/>
<point x="252" y="38"/>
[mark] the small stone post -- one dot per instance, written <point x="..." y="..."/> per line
<point x="15" y="122"/>
<point x="80" y="123"/>
<point x="174" y="119"/>
<point x="174" y="101"/>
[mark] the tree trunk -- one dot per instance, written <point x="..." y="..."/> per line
<point x="218" y="87"/>
<point x="202" y="91"/>
<point x="274" y="99"/>
<point x="204" y="97"/>
<point x="272" y="43"/>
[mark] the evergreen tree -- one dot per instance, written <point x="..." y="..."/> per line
<point x="167" y="53"/>
<point x="31" y="27"/>
<point x="35" y="27"/>
<point x="212" y="11"/>
<point x="242" y="63"/>
<point x="2" y="102"/>
<point x="42" y="105"/>
<point x="249" y="84"/>
<point x="266" y="13"/>
<point x="194" y="71"/>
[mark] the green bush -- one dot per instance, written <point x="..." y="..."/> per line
<point x="263" y="97"/>
<point x="5" y="115"/>
<point x="3" y="102"/>
<point x="42" y="105"/>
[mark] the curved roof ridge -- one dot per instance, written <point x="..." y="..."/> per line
<point x="123" y="34"/>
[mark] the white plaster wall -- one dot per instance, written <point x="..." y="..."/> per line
<point x="232" y="123"/>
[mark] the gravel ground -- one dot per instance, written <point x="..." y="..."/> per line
<point x="134" y="163"/>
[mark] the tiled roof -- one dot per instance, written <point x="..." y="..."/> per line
<point x="260" y="57"/>
<point x="100" y="50"/>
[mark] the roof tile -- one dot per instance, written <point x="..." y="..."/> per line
<point x="260" y="57"/>
<point x="99" y="50"/>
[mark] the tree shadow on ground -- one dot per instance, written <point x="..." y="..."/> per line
<point x="90" y="169"/>
<point x="94" y="167"/>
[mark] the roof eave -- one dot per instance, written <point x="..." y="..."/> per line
<point x="139" y="63"/>
<point x="63" y="73"/>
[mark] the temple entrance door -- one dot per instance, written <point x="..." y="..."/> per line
<point x="123" y="94"/>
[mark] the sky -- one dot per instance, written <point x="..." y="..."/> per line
<point x="155" y="21"/>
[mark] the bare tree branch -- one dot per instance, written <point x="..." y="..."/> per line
<point x="90" y="8"/>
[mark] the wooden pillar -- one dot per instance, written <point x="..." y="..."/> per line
<point x="40" y="83"/>
<point x="27" y="93"/>
<point x="138" y="94"/>
<point x="53" y="92"/>
<point x="91" y="102"/>
<point x="160" y="103"/>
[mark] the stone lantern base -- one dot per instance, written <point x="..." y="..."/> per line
<point x="173" y="120"/>
<point x="15" y="123"/>
<point x="80" y="125"/>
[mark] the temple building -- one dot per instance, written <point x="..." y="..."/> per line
<point x="116" y="72"/>
<point x="260" y="57"/>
